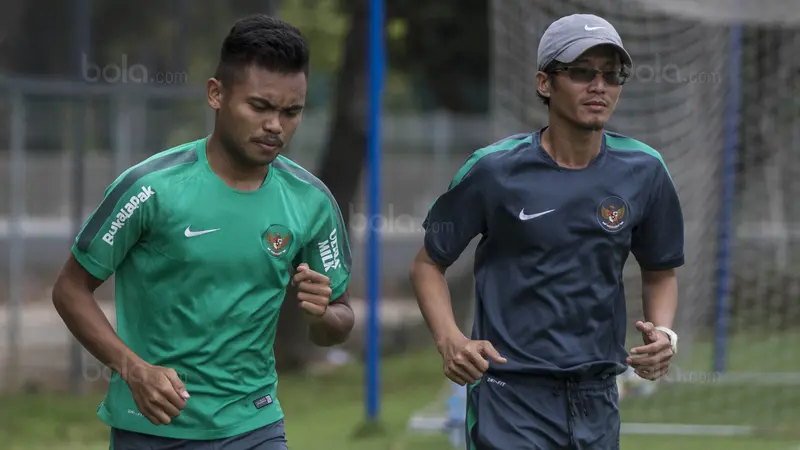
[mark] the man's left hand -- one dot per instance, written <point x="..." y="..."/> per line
<point x="651" y="361"/>
<point x="313" y="290"/>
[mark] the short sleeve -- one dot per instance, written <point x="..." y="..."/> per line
<point x="115" y="226"/>
<point x="328" y="250"/>
<point x="657" y="242"/>
<point x="458" y="215"/>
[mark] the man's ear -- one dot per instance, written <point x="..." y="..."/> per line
<point x="214" y="93"/>
<point x="543" y="84"/>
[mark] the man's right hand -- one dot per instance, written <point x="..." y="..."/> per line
<point x="158" y="392"/>
<point x="465" y="360"/>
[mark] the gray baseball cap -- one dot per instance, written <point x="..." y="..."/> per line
<point x="569" y="37"/>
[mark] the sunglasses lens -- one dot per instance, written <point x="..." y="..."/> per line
<point x="614" y="78"/>
<point x="586" y="75"/>
<point x="581" y="74"/>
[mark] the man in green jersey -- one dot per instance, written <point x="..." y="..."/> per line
<point x="204" y="239"/>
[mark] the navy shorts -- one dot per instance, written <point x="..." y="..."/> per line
<point x="270" y="437"/>
<point x="513" y="412"/>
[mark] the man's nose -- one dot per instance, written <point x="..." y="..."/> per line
<point x="272" y="123"/>
<point x="598" y="83"/>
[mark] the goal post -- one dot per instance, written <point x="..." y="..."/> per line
<point x="714" y="89"/>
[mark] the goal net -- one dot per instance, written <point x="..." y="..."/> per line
<point x="715" y="90"/>
<point x="711" y="80"/>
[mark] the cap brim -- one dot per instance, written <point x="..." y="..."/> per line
<point x="579" y="47"/>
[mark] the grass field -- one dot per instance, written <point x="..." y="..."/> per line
<point x="702" y="397"/>
<point x="325" y="411"/>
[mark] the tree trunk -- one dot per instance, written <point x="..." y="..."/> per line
<point x="342" y="166"/>
<point x="340" y="169"/>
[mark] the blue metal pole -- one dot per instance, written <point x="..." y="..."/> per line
<point x="732" y="120"/>
<point x="83" y="41"/>
<point x="377" y="62"/>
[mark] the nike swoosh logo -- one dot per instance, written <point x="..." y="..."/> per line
<point x="588" y="28"/>
<point x="189" y="233"/>
<point x="523" y="216"/>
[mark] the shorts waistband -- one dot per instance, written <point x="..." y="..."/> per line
<point x="555" y="380"/>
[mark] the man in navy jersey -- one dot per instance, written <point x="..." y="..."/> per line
<point x="558" y="211"/>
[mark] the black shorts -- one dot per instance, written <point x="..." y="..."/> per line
<point x="512" y="412"/>
<point x="270" y="437"/>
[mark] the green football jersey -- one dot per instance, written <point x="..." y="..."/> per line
<point x="201" y="273"/>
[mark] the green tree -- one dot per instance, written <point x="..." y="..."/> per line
<point x="453" y="73"/>
<point x="444" y="46"/>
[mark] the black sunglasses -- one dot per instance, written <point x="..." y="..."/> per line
<point x="587" y="75"/>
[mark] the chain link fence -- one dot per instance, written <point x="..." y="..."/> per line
<point x="65" y="142"/>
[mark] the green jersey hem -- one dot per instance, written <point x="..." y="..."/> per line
<point x="194" y="434"/>
<point x="338" y="290"/>
<point x="97" y="270"/>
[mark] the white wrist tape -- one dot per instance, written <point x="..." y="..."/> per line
<point x="673" y="338"/>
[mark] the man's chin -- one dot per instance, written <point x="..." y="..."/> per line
<point x="590" y="123"/>
<point x="262" y="158"/>
<point x="593" y="125"/>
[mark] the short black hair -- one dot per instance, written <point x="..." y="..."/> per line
<point x="263" y="41"/>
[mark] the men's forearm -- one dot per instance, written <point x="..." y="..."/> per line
<point x="433" y="298"/>
<point x="334" y="327"/>
<point x="660" y="297"/>
<point x="90" y="326"/>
